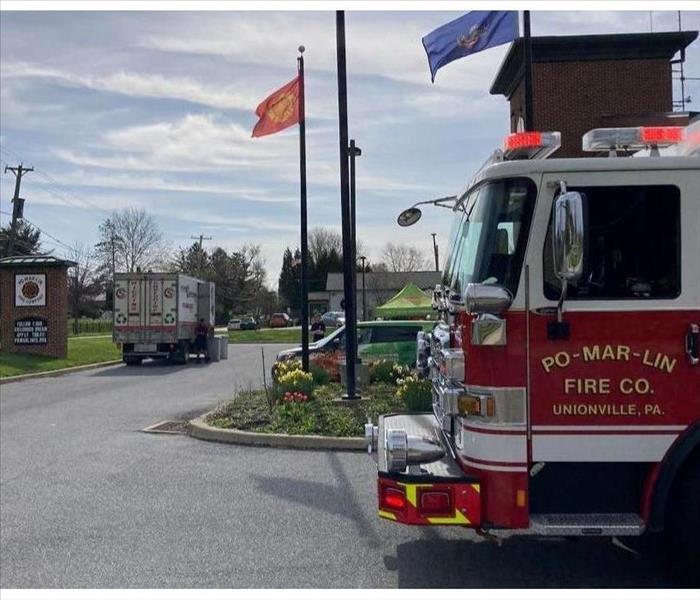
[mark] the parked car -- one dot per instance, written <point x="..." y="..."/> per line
<point x="392" y="340"/>
<point x="234" y="324"/>
<point x="248" y="323"/>
<point x="280" y="320"/>
<point x="333" y="319"/>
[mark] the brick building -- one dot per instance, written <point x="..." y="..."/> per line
<point x="34" y="305"/>
<point x="586" y="81"/>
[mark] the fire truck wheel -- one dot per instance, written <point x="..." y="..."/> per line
<point x="685" y="516"/>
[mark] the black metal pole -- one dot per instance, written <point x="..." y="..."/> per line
<point x="435" y="251"/>
<point x="527" y="52"/>
<point x="304" y="238"/>
<point x="364" y="287"/>
<point x="348" y="267"/>
<point x="354" y="152"/>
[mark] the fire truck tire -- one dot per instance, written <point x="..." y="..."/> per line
<point x="685" y="516"/>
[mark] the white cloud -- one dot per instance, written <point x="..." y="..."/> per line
<point x="149" y="85"/>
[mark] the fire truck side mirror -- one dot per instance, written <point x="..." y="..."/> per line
<point x="569" y="236"/>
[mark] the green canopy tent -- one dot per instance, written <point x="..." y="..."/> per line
<point x="410" y="303"/>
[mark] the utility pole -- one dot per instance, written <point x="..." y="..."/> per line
<point x="201" y="238"/>
<point x="17" y="203"/>
<point x="435" y="250"/>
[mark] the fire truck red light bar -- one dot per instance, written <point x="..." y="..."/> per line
<point x="524" y="139"/>
<point x="531" y="144"/>
<point x="661" y="135"/>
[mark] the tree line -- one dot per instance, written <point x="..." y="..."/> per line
<point x="130" y="241"/>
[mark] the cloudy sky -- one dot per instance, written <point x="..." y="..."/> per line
<point x="155" y="110"/>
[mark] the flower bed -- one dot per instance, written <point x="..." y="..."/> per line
<point x="301" y="403"/>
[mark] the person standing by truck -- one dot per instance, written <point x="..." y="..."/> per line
<point x="318" y="328"/>
<point x="200" y="340"/>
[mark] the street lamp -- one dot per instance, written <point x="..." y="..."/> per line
<point x="364" y="297"/>
<point x="411" y="215"/>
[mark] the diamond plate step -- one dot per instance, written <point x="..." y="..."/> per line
<point x="604" y="524"/>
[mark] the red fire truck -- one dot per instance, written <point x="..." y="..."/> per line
<point x="566" y="366"/>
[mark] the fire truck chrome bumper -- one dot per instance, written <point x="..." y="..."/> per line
<point x="433" y="493"/>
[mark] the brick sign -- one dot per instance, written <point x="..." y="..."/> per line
<point x="31" y="331"/>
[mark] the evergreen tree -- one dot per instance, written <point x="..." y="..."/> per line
<point x="290" y="280"/>
<point x="26" y="240"/>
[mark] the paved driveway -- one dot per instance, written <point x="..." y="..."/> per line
<point x="87" y="500"/>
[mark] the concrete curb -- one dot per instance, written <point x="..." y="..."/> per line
<point x="58" y="372"/>
<point x="200" y="430"/>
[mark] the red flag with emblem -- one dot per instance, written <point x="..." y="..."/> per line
<point x="279" y="110"/>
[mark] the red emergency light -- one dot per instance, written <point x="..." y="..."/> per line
<point x="531" y="144"/>
<point x="436" y="503"/>
<point x="661" y="135"/>
<point x="392" y="498"/>
<point x="631" y="138"/>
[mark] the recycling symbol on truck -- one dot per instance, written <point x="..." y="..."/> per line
<point x="121" y="319"/>
<point x="169" y="318"/>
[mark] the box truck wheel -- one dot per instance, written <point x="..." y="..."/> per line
<point x="182" y="355"/>
<point x="133" y="361"/>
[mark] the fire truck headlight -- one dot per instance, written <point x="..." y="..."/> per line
<point x="396" y="445"/>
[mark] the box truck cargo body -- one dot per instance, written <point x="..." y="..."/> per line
<point x="155" y="314"/>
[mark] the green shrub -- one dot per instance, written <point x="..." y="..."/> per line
<point x="320" y="375"/>
<point x="415" y="394"/>
<point x="387" y="371"/>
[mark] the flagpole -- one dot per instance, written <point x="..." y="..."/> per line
<point x="304" y="238"/>
<point x="527" y="51"/>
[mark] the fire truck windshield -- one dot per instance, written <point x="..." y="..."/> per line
<point x="489" y="234"/>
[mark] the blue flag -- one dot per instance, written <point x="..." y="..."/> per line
<point x="473" y="32"/>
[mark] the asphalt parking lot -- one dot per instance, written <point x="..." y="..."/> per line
<point x="88" y="500"/>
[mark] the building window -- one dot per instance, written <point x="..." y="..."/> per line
<point x="633" y="248"/>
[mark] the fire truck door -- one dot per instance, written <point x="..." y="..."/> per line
<point x="614" y="383"/>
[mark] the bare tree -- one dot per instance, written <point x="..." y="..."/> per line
<point x="322" y="241"/>
<point x="84" y="283"/>
<point x="134" y="238"/>
<point x="402" y="257"/>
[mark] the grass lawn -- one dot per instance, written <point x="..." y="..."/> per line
<point x="281" y="335"/>
<point x="81" y="351"/>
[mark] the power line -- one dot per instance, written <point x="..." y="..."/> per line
<point x="48" y="235"/>
<point x="49" y="180"/>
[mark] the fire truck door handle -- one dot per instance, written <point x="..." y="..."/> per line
<point x="692" y="344"/>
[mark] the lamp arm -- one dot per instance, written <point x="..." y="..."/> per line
<point x="441" y="202"/>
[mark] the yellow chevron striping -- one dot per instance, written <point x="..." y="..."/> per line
<point x="387" y="515"/>
<point x="458" y="519"/>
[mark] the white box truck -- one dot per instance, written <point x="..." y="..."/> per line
<point x="155" y="314"/>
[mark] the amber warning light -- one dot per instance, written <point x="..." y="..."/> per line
<point x="531" y="144"/>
